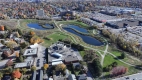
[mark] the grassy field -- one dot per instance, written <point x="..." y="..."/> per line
<point x="54" y="37"/>
<point x="109" y="60"/>
<point x="74" y="22"/>
<point x="127" y="59"/>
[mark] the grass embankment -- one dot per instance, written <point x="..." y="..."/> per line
<point x="74" y="22"/>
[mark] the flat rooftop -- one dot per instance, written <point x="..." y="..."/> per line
<point x="67" y="53"/>
<point x="29" y="52"/>
<point x="129" y="22"/>
<point x="24" y="64"/>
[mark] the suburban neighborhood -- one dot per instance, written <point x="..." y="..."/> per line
<point x="70" y="40"/>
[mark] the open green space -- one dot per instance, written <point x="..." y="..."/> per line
<point x="74" y="22"/>
<point x="127" y="59"/>
<point x="109" y="60"/>
<point x="54" y="37"/>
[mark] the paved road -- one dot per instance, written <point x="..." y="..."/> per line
<point x="137" y="76"/>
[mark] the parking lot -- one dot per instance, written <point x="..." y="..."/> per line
<point x="40" y="57"/>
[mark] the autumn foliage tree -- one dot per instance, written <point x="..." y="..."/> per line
<point x="60" y="67"/>
<point x="16" y="74"/>
<point x="11" y="44"/>
<point x="24" y="70"/>
<point x="32" y="33"/>
<point x="2" y="28"/>
<point x="45" y="66"/>
<point x="17" y="54"/>
<point x="35" y="39"/>
<point x="119" y="70"/>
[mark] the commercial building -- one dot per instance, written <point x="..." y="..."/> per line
<point x="124" y="23"/>
<point x="87" y="21"/>
<point x="61" y="53"/>
<point x="31" y="52"/>
<point x="24" y="64"/>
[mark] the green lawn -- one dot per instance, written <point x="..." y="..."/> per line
<point x="54" y="38"/>
<point x="74" y="22"/>
<point x="109" y="60"/>
<point x="116" y="53"/>
<point x="127" y="58"/>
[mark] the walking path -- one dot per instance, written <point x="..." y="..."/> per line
<point x="102" y="55"/>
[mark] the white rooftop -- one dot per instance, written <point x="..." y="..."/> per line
<point x="24" y="64"/>
<point x="56" y="63"/>
<point x="34" y="46"/>
<point x="29" y="52"/>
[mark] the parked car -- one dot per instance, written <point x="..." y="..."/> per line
<point x="38" y="62"/>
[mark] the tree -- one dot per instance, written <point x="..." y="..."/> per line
<point x="60" y="67"/>
<point x="119" y="70"/>
<point x="24" y="70"/>
<point x="35" y="39"/>
<point x="33" y="68"/>
<point x="17" y="54"/>
<point x="20" y="58"/>
<point x="2" y="28"/>
<point x="16" y="74"/>
<point x="19" y="31"/>
<point x="97" y="67"/>
<point x="114" y="64"/>
<point x="45" y="66"/>
<point x="21" y="51"/>
<point x="1" y="75"/>
<point x="23" y="45"/>
<point x="32" y="33"/>
<point x="2" y="41"/>
<point x="123" y="55"/>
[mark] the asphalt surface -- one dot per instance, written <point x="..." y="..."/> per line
<point x="137" y="76"/>
<point x="40" y="55"/>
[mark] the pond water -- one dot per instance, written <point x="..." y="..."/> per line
<point x="87" y="39"/>
<point x="77" y="28"/>
<point x="39" y="27"/>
